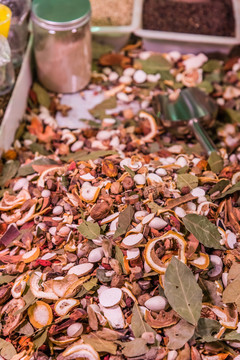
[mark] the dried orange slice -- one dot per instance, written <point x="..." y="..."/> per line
<point x="10" y="202"/>
<point x="151" y="258"/>
<point x="201" y="262"/>
<point x="153" y="126"/>
<point x="40" y="314"/>
<point x="45" y="173"/>
<point x="63" y="306"/>
<point x="31" y="255"/>
<point x="79" y="350"/>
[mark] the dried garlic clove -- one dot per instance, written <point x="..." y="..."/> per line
<point x="95" y="255"/>
<point x="132" y="240"/>
<point x="75" y="330"/>
<point x="110" y="297"/>
<point x="40" y="314"/>
<point x="156" y="303"/>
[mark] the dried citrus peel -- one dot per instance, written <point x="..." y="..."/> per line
<point x="79" y="350"/>
<point x="40" y="314"/>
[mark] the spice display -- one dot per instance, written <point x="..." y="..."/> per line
<point x="120" y="240"/>
<point x="205" y="17"/>
<point x="111" y="12"/>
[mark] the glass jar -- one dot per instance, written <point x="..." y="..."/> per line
<point x="7" y="76"/>
<point x="18" y="34"/>
<point x="62" y="43"/>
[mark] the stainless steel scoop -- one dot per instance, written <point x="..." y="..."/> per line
<point x="191" y="108"/>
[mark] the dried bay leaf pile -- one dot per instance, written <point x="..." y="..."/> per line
<point x="119" y="241"/>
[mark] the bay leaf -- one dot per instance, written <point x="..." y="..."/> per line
<point x="124" y="220"/>
<point x="153" y="64"/>
<point x="5" y="279"/>
<point x="219" y="186"/>
<point x="210" y="293"/>
<point x="231" y="293"/>
<point x="215" y="162"/>
<point x="206" y="86"/>
<point x="39" y="340"/>
<point x="212" y="65"/>
<point x="42" y="95"/>
<point x="230" y="191"/>
<point x="102" y="277"/>
<point x="206" y="329"/>
<point x="138" y="325"/>
<point x="28" y="169"/>
<point x="99" y="49"/>
<point x="187" y="180"/>
<point x="90" y="284"/>
<point x="131" y="173"/>
<point x="206" y="232"/>
<point x="99" y="344"/>
<point x="183" y="170"/>
<point x="234" y="271"/>
<point x="182" y="291"/>
<point x="35" y="147"/>
<point x="99" y="111"/>
<point x="154" y="207"/>
<point x="84" y="156"/>
<point x="134" y="348"/>
<point x="233" y="115"/>
<point x="179" y="334"/>
<point x="89" y="230"/>
<point x="26" y="329"/>
<point x="119" y="256"/>
<point x="7" y="350"/>
<point x="10" y="169"/>
<point x="231" y="336"/>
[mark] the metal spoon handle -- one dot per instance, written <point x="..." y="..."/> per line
<point x="202" y="136"/>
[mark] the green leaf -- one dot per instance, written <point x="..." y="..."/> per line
<point x="35" y="147"/>
<point x="40" y="339"/>
<point x="182" y="291"/>
<point x="99" y="111"/>
<point x="219" y="186"/>
<point x="231" y="294"/>
<point x="153" y="206"/>
<point x="210" y="293"/>
<point x="206" y="86"/>
<point x="215" y="162"/>
<point x="212" y="65"/>
<point x="134" y="348"/>
<point x="42" y="95"/>
<point x="28" y="169"/>
<point x="89" y="230"/>
<point x="183" y="170"/>
<point x="99" y="49"/>
<point x="5" y="279"/>
<point x="89" y="285"/>
<point x="7" y="350"/>
<point x="138" y="325"/>
<point x="124" y="221"/>
<point x="233" y="115"/>
<point x="84" y="156"/>
<point x="231" y="336"/>
<point x="206" y="232"/>
<point x="119" y="257"/>
<point x="179" y="334"/>
<point x="231" y="191"/>
<point x="131" y="173"/>
<point x="100" y="345"/>
<point x="9" y="171"/>
<point x="206" y="329"/>
<point x="187" y="180"/>
<point x="154" y="64"/>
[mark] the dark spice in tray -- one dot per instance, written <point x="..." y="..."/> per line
<point x="207" y="17"/>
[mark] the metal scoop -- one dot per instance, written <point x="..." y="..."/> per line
<point x="191" y="108"/>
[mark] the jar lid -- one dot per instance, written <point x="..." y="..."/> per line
<point x="63" y="14"/>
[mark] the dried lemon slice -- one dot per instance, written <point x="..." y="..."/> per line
<point x="40" y="314"/>
<point x="202" y="262"/>
<point x="63" y="306"/>
<point x="151" y="258"/>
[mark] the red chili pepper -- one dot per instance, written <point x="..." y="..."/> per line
<point x="43" y="262"/>
<point x="106" y="266"/>
<point x="72" y="166"/>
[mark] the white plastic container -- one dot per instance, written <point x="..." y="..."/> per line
<point x="162" y="41"/>
<point x="117" y="36"/>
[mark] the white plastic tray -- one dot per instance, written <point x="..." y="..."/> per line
<point x="117" y="36"/>
<point x="18" y="102"/>
<point x="163" y="41"/>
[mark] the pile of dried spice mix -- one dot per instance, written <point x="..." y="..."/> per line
<point x="111" y="12"/>
<point x="120" y="241"/>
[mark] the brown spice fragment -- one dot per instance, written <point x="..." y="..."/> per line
<point x="100" y="210"/>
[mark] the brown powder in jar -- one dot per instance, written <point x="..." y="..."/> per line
<point x="111" y="12"/>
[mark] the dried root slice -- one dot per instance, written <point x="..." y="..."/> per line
<point x="10" y="202"/>
<point x="31" y="255"/>
<point x="89" y="194"/>
<point x="132" y="240"/>
<point x="45" y="173"/>
<point x="153" y="126"/>
<point x="19" y="285"/>
<point x="37" y="290"/>
<point x="202" y="262"/>
<point x="75" y="330"/>
<point x="151" y="258"/>
<point x="63" y="306"/>
<point x="79" y="350"/>
<point x="109" y="218"/>
<point x="81" y="269"/>
<point x="114" y="316"/>
<point x="40" y="314"/>
<point x="110" y="297"/>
